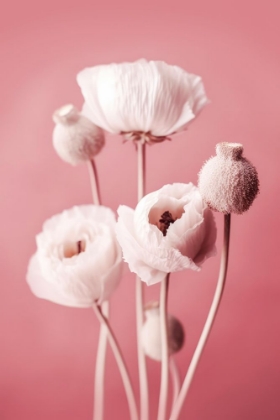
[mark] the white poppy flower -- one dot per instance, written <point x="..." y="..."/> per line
<point x="78" y="259"/>
<point x="145" y="100"/>
<point x="171" y="229"/>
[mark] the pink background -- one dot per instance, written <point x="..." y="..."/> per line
<point x="48" y="351"/>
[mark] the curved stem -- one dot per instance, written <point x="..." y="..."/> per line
<point x="143" y="378"/>
<point x="98" y="409"/>
<point x="175" y="376"/>
<point x="209" y="322"/>
<point x="120" y="362"/>
<point x="163" y="395"/>
<point x="94" y="182"/>
<point x="98" y="405"/>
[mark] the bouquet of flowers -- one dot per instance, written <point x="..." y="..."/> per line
<point x="80" y="252"/>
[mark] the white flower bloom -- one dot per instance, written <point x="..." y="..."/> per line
<point x="78" y="260"/>
<point x="171" y="229"/>
<point x="148" y="100"/>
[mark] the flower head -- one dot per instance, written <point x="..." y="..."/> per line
<point x="75" y="138"/>
<point x="229" y="182"/>
<point x="144" y="100"/>
<point x="151" y="336"/>
<point x="170" y="230"/>
<point x="78" y="260"/>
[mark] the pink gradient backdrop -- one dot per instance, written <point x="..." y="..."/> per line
<point x="48" y="351"/>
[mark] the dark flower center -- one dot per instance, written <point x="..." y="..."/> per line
<point x="74" y="248"/>
<point x="142" y="137"/>
<point x="165" y="221"/>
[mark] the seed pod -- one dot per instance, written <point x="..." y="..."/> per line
<point x="75" y="138"/>
<point x="228" y="182"/>
<point x="151" y="337"/>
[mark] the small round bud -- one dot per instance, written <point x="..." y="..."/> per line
<point x="75" y="138"/>
<point x="228" y="182"/>
<point x="151" y="336"/>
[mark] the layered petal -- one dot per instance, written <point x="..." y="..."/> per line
<point x="78" y="260"/>
<point x="151" y="97"/>
<point x="170" y="230"/>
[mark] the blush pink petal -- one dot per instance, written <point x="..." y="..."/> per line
<point x="77" y="279"/>
<point x="49" y="291"/>
<point x="149" y="263"/>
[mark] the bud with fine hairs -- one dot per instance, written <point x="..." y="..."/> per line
<point x="228" y="182"/>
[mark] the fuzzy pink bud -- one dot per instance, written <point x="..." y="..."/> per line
<point x="228" y="182"/>
<point x="75" y="138"/>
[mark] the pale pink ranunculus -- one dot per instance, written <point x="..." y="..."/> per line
<point x="78" y="259"/>
<point x="170" y="230"/>
<point x="144" y="97"/>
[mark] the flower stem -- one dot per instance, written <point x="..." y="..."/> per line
<point x="143" y="379"/>
<point x="98" y="409"/>
<point x="175" y="376"/>
<point x="163" y="395"/>
<point x="94" y="182"/>
<point x="98" y="404"/>
<point x="141" y="159"/>
<point x="120" y="362"/>
<point x="209" y="322"/>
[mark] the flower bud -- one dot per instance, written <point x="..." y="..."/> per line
<point x="75" y="138"/>
<point x="151" y="336"/>
<point x="228" y="182"/>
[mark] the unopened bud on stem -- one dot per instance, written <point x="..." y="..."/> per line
<point x="228" y="182"/>
<point x="75" y="138"/>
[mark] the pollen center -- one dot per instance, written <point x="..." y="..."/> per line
<point x="165" y="221"/>
<point x="74" y="248"/>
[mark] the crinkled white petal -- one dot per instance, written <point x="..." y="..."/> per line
<point x="64" y="274"/>
<point x="142" y="96"/>
<point x="150" y="263"/>
<point x="189" y="240"/>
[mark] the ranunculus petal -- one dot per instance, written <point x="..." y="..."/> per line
<point x="78" y="259"/>
<point x="141" y="96"/>
<point x="151" y="264"/>
<point x="187" y="240"/>
<point x="49" y="291"/>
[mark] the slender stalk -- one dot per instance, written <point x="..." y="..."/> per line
<point x="209" y="322"/>
<point x="98" y="405"/>
<point x="175" y="376"/>
<point x="141" y="164"/>
<point x="94" y="182"/>
<point x="143" y="379"/>
<point x="98" y="408"/>
<point x="120" y="362"/>
<point x="163" y="395"/>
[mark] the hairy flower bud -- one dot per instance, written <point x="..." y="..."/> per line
<point x="228" y="182"/>
<point x="75" y="138"/>
<point x="151" y="337"/>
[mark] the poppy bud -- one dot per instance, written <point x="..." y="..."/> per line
<point x="151" y="336"/>
<point x="75" y="138"/>
<point x="228" y="182"/>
